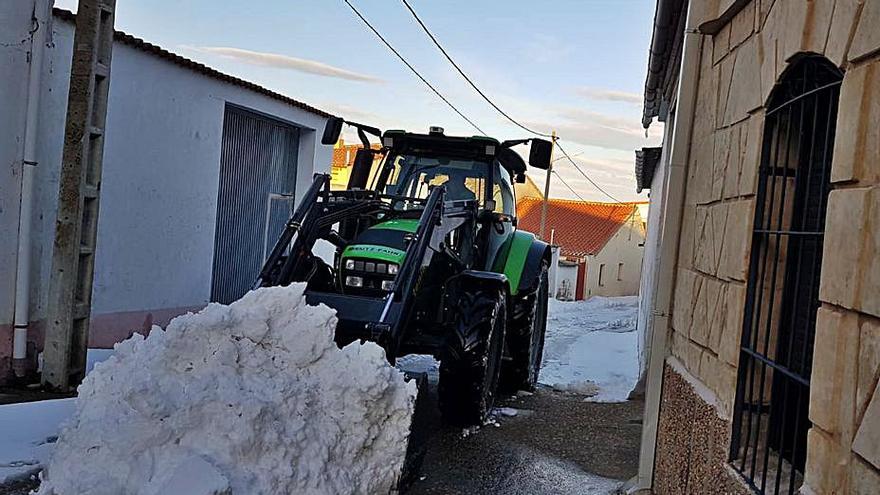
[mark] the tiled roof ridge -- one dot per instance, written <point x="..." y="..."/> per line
<point x="578" y="201"/>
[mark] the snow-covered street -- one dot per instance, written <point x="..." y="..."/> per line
<point x="577" y="434"/>
<point x="591" y="347"/>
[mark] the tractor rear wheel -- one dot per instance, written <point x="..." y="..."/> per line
<point x="469" y="379"/>
<point x="525" y="340"/>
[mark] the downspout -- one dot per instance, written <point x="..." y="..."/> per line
<point x="674" y="196"/>
<point x="39" y="37"/>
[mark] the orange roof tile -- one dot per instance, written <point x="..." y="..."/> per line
<point x="343" y="154"/>
<point x="581" y="227"/>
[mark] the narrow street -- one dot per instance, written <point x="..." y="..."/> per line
<point x="557" y="443"/>
<point x="578" y="436"/>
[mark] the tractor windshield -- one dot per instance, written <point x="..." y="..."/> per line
<point x="413" y="176"/>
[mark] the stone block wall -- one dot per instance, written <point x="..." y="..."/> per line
<point x="738" y="69"/>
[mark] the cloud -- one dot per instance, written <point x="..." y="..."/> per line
<point x="601" y="130"/>
<point x="264" y="59"/>
<point x="601" y="94"/>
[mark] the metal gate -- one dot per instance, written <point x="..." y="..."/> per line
<point x="768" y="446"/>
<point x="257" y="182"/>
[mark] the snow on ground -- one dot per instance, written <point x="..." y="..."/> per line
<point x="28" y="430"/>
<point x="95" y="356"/>
<point x="252" y="397"/>
<point x="27" y="434"/>
<point x="591" y="347"/>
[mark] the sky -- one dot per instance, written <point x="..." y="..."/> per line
<point x="574" y="66"/>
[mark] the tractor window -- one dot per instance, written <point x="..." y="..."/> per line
<point x="502" y="192"/>
<point x="394" y="174"/>
<point x="414" y="176"/>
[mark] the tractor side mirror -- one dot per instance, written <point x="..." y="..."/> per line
<point x="360" y="170"/>
<point x="539" y="153"/>
<point x="332" y="130"/>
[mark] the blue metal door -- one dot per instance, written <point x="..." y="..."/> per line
<point x="257" y="181"/>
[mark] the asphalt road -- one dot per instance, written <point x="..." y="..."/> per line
<point x="556" y="443"/>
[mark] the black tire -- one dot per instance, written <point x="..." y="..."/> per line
<point x="525" y="340"/>
<point x="469" y="380"/>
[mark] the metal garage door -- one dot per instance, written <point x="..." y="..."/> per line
<point x="257" y="182"/>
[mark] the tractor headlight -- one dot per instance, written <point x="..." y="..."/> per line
<point x="352" y="281"/>
<point x="387" y="284"/>
<point x="392" y="269"/>
<point x="349" y="264"/>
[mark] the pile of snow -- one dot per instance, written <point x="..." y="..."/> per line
<point x="591" y="347"/>
<point x="254" y="397"/>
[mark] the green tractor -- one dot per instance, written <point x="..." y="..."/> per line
<point x="428" y="260"/>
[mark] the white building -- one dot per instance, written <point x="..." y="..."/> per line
<point x="604" y="241"/>
<point x="200" y="170"/>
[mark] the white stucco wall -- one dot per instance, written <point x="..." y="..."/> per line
<point x="160" y="177"/>
<point x="650" y="262"/>
<point x="15" y="21"/>
<point x="623" y="247"/>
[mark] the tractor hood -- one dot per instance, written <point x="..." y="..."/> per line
<point x="385" y="241"/>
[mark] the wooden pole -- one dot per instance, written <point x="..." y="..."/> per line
<point x="73" y="254"/>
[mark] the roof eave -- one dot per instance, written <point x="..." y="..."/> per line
<point x="667" y="18"/>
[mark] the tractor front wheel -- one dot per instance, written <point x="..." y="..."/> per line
<point x="525" y="340"/>
<point x="469" y="378"/>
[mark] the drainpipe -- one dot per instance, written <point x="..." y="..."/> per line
<point x="674" y="196"/>
<point x="39" y="37"/>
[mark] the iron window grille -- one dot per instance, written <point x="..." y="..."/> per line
<point x="768" y="445"/>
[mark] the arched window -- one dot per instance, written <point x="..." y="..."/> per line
<point x="770" y="425"/>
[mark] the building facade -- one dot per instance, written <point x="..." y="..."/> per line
<point x="200" y="173"/>
<point x="604" y="241"/>
<point x="764" y="314"/>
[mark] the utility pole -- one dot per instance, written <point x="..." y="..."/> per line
<point x="73" y="255"/>
<point x="547" y="185"/>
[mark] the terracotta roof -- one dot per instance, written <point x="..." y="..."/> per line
<point x="174" y="58"/>
<point x="343" y="154"/>
<point x="581" y="227"/>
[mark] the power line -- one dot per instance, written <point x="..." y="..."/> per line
<point x="490" y="102"/>
<point x="414" y="71"/>
<point x="568" y="186"/>
<point x="473" y="85"/>
<point x="563" y="156"/>
<point x="466" y="78"/>
<point x="597" y="186"/>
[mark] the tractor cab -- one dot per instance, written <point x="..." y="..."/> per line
<point x="476" y="175"/>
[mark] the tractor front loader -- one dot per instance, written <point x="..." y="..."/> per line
<point x="428" y="260"/>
